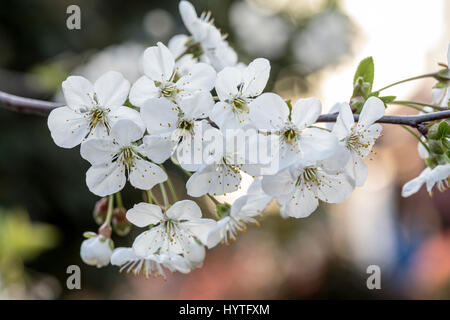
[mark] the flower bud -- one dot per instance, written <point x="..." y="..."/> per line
<point x="120" y="224"/>
<point x="100" y="210"/>
<point x="435" y="146"/>
<point x="96" y="251"/>
<point x="433" y="132"/>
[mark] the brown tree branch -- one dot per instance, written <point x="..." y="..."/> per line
<point x="40" y="107"/>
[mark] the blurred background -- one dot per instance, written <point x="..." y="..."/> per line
<point x="314" y="47"/>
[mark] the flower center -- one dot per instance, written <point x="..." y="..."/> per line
<point x="309" y="175"/>
<point x="98" y="115"/>
<point x="127" y="156"/>
<point x="354" y="142"/>
<point x="185" y="125"/>
<point x="290" y="133"/>
<point x="240" y="105"/>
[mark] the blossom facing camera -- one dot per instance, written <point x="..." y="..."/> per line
<point x="179" y="230"/>
<point x="117" y="157"/>
<point x="96" y="251"/>
<point x="163" y="79"/>
<point x="236" y="91"/>
<point x="92" y="109"/>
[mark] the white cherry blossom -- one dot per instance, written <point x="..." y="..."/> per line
<point x="171" y="126"/>
<point x="297" y="142"/>
<point x="92" y="109"/>
<point x="359" y="138"/>
<point x="163" y="78"/>
<point x="236" y="90"/>
<point x="220" y="172"/>
<point x="441" y="96"/>
<point x="242" y="212"/>
<point x="179" y="230"/>
<point x="116" y="157"/>
<point x="439" y="176"/>
<point x="150" y="265"/>
<point x="298" y="189"/>
<point x="96" y="251"/>
<point x="215" y="50"/>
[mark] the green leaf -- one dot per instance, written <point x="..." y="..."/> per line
<point x="444" y="128"/>
<point x="441" y="85"/>
<point x="366" y="71"/>
<point x="388" y="99"/>
<point x="89" y="234"/>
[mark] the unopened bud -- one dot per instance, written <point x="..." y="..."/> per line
<point x="121" y="225"/>
<point x="105" y="231"/>
<point x="435" y="146"/>
<point x="100" y="210"/>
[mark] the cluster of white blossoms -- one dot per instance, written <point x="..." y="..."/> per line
<point x="434" y="148"/>
<point x="200" y="108"/>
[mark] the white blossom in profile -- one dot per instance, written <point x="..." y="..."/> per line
<point x="243" y="211"/>
<point x="359" y="138"/>
<point x="96" y="251"/>
<point x="438" y="176"/>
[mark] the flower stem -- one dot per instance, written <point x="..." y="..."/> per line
<point x="119" y="200"/>
<point x="110" y="210"/>
<point x="416" y="136"/>
<point x="427" y="75"/>
<point x="164" y="194"/>
<point x="409" y="103"/>
<point x="172" y="189"/>
<point x="150" y="197"/>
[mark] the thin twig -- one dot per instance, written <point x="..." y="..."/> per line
<point x="40" y="107"/>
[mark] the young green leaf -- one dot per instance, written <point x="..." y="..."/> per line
<point x="365" y="70"/>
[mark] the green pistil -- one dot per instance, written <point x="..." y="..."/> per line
<point x="289" y="135"/>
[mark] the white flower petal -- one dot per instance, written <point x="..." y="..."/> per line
<point x="158" y="147"/>
<point x="316" y="144"/>
<point x="177" y="44"/>
<point x="344" y="122"/>
<point x="301" y="204"/>
<point x="305" y="112"/>
<point x="278" y="185"/>
<point x="126" y="131"/>
<point x="145" y="175"/>
<point x="111" y="89"/>
<point x="78" y="92"/>
<point x="106" y="179"/>
<point x="200" y="228"/>
<point x="126" y="113"/>
<point x="99" y="151"/>
<point x="415" y="184"/>
<point x="144" y="214"/>
<point x="222" y="114"/>
<point x="184" y="210"/>
<point x="213" y="179"/>
<point x="227" y="83"/>
<point x="372" y="110"/>
<point x="197" y="106"/>
<point x="269" y="111"/>
<point x="337" y="188"/>
<point x="159" y="115"/>
<point x="142" y="90"/>
<point x="67" y="127"/>
<point x="254" y="77"/>
<point x="200" y="76"/>
<point x="158" y="63"/>
<point x="357" y="169"/>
